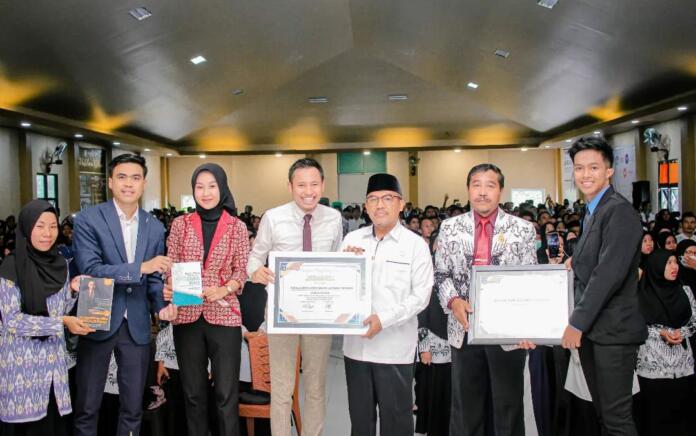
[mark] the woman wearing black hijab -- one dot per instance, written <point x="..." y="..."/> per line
<point x="35" y="295"/>
<point x="210" y="329"/>
<point x="665" y="365"/>
<point x="666" y="241"/>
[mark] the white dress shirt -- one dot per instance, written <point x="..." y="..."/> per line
<point x="682" y="237"/>
<point x="402" y="279"/>
<point x="282" y="227"/>
<point x="129" y="229"/>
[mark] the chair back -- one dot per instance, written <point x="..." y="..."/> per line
<point x="260" y="364"/>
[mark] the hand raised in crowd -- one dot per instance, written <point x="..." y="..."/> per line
<point x="375" y="326"/>
<point x="75" y="283"/>
<point x="168" y="313"/>
<point x="672" y="337"/>
<point x="569" y="264"/>
<point x="167" y="291"/>
<point x="426" y="358"/>
<point x="690" y="261"/>
<point x="461" y="310"/>
<point x="162" y="373"/>
<point x="160" y="264"/>
<point x="263" y="276"/>
<point x="526" y="345"/>
<point x="76" y="326"/>
<point x="555" y="260"/>
<point x="571" y="338"/>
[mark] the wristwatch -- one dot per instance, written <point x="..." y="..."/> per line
<point x="229" y="289"/>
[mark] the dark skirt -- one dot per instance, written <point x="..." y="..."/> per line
<point x="433" y="398"/>
<point x="52" y="424"/>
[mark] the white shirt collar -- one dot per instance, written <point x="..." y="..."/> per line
<point x="122" y="215"/>
<point x="394" y="233"/>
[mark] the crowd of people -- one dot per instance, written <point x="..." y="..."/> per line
<point x="634" y="310"/>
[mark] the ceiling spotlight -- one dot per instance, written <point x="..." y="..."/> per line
<point x="569" y="140"/>
<point x="682" y="108"/>
<point x="78" y="135"/>
<point x="147" y="149"/>
<point x="169" y="155"/>
<point x="202" y="156"/>
<point x="117" y="143"/>
<point x="472" y="85"/>
<point x="547" y="146"/>
<point x="524" y="149"/>
<point x="140" y="13"/>
<point x="25" y="124"/>
<point x="198" y="60"/>
<point x="316" y="100"/>
<point x="366" y="152"/>
<point x="457" y="150"/>
<point x="548" y="4"/>
<point x="597" y="132"/>
<point x="502" y="54"/>
<point x="238" y="91"/>
<point x="635" y="121"/>
<point x="398" y="97"/>
<point x="279" y="155"/>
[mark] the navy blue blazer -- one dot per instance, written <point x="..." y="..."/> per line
<point x="100" y="252"/>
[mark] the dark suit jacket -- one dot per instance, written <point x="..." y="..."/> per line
<point x="605" y="262"/>
<point x="100" y="252"/>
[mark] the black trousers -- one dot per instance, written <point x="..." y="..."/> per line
<point x="92" y="368"/>
<point x="665" y="406"/>
<point x="195" y="343"/>
<point x="387" y="386"/>
<point x="608" y="370"/>
<point x="480" y="371"/>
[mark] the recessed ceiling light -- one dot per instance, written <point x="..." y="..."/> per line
<point x="78" y="135"/>
<point x="238" y="91"/>
<point x="472" y="85"/>
<point x="635" y="121"/>
<point x="169" y="155"/>
<point x="147" y="149"/>
<point x="366" y="152"/>
<point x="502" y="54"/>
<point x="316" y="100"/>
<point x="457" y="150"/>
<point x="279" y="155"/>
<point x="25" y="124"/>
<point x="524" y="149"/>
<point x="140" y="13"/>
<point x="682" y="108"/>
<point x="547" y="146"/>
<point x="548" y="4"/>
<point x="198" y="60"/>
<point x="202" y="156"/>
<point x="569" y="140"/>
<point x="597" y="132"/>
<point x="398" y="97"/>
<point x="117" y="143"/>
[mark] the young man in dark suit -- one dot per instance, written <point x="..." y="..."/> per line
<point x="120" y="241"/>
<point x="606" y="324"/>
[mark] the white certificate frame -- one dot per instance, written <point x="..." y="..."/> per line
<point x="277" y="323"/>
<point x="516" y="319"/>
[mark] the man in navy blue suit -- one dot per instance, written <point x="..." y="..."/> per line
<point x="120" y="241"/>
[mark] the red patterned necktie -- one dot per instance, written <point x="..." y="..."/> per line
<point x="483" y="244"/>
<point x="307" y="234"/>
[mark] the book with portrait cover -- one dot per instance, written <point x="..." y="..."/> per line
<point x="94" y="302"/>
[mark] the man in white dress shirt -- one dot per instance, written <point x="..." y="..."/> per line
<point x="379" y="366"/>
<point x="300" y="225"/>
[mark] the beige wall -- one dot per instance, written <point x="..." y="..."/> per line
<point x="397" y="165"/>
<point x="445" y="172"/>
<point x="9" y="173"/>
<point x="329" y="162"/>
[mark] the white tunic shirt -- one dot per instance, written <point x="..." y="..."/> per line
<point x="402" y="279"/>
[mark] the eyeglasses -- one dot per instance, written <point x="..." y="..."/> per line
<point x="388" y="199"/>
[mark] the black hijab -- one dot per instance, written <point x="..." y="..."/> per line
<point x="38" y="274"/>
<point x="662" y="301"/>
<point x="644" y="257"/>
<point x="661" y="239"/>
<point x="686" y="275"/>
<point x="210" y="217"/>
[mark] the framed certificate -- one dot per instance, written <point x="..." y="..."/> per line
<point x="319" y="293"/>
<point x="512" y="303"/>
